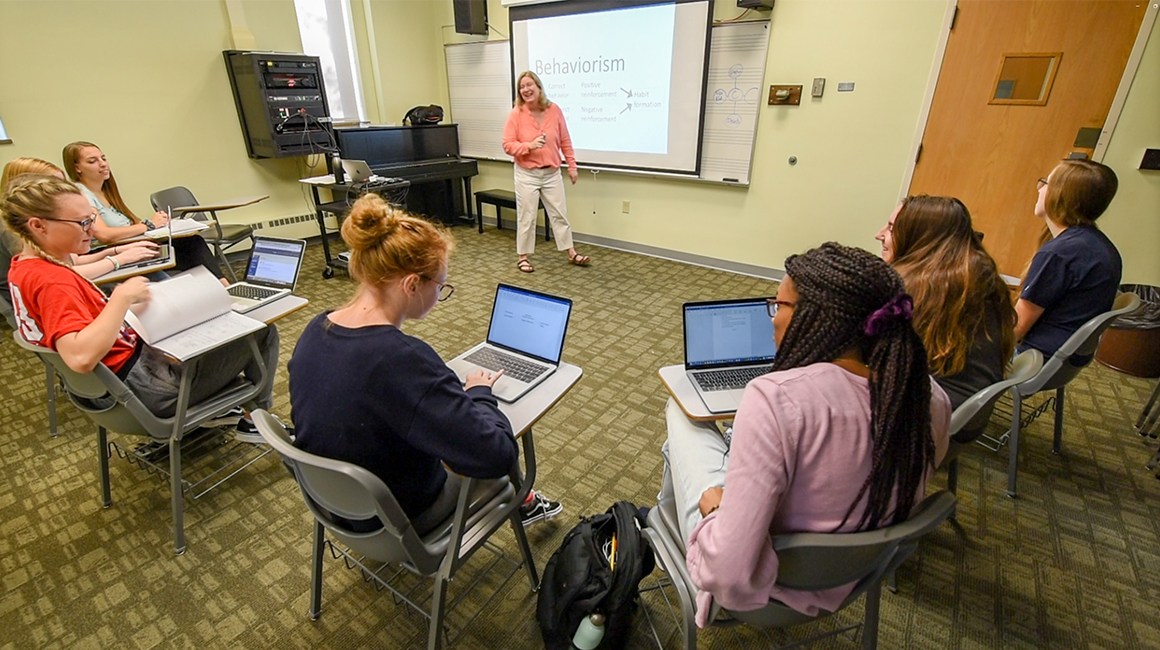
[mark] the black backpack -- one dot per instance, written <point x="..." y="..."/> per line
<point x="578" y="580"/>
<point x="421" y="115"/>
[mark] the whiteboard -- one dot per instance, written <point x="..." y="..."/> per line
<point x="480" y="88"/>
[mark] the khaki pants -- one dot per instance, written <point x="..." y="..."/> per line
<point x="531" y="186"/>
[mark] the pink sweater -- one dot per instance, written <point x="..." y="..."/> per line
<point x="521" y="128"/>
<point x="801" y="450"/>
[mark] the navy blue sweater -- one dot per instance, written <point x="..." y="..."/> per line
<point x="381" y="399"/>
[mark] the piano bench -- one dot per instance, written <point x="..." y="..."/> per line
<point x="503" y="199"/>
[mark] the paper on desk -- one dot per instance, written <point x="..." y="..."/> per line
<point x="179" y="226"/>
<point x="211" y="334"/>
<point x="187" y="315"/>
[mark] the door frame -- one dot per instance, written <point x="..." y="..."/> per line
<point x="1114" y="111"/>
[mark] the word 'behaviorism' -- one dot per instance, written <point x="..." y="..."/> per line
<point x="599" y="64"/>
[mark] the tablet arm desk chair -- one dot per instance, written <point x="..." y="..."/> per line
<point x="807" y="561"/>
<point x="331" y="487"/>
<point x="1057" y="371"/>
<point x="221" y="237"/>
<point x="107" y="401"/>
<point x="973" y="414"/>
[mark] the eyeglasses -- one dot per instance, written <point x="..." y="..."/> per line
<point x="771" y="305"/>
<point x="1041" y="183"/>
<point x="85" y="224"/>
<point x="445" y="290"/>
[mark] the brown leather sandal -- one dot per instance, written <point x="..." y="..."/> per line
<point x="579" y="260"/>
<point x="525" y="266"/>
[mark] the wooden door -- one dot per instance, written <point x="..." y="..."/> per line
<point x="990" y="154"/>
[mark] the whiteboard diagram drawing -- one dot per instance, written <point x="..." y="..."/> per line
<point x="736" y="95"/>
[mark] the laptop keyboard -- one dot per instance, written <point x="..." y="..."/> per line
<point x="251" y="292"/>
<point x="728" y="379"/>
<point x="513" y="366"/>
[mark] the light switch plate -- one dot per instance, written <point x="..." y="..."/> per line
<point x="818" y="88"/>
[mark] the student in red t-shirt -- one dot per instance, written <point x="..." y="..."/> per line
<point x="59" y="309"/>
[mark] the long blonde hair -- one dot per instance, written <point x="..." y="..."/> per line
<point x="71" y="155"/>
<point x="35" y="195"/>
<point x="18" y="166"/>
<point x="387" y="243"/>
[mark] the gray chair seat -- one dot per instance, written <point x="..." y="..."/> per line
<point x="808" y="562"/>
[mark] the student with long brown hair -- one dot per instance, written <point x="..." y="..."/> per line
<point x="1075" y="274"/>
<point x="86" y="165"/>
<point x="58" y="309"/>
<point x="962" y="306"/>
<point x="365" y="392"/>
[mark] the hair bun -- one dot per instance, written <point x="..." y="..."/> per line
<point x="371" y="220"/>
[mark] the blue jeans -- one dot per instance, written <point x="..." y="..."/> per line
<point x="155" y="380"/>
<point x="696" y="458"/>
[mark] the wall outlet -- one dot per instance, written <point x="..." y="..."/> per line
<point x="624" y="207"/>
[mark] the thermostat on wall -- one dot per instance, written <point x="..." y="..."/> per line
<point x="845" y="86"/>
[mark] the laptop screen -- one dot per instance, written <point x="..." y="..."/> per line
<point x="275" y="262"/>
<point x="725" y="333"/>
<point x="529" y="322"/>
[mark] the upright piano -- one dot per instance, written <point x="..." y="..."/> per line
<point x="427" y="156"/>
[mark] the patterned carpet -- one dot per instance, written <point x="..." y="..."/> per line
<point x="1073" y="563"/>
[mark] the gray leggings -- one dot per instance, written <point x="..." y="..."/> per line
<point x="155" y="380"/>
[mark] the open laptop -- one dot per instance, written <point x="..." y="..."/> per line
<point x="164" y="255"/>
<point x="271" y="273"/>
<point x="727" y="344"/>
<point x="357" y="171"/>
<point x="525" y="339"/>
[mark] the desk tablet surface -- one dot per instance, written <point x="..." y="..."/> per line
<point x="223" y="205"/>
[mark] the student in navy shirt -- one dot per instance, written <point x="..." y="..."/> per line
<point x="364" y="392"/>
<point x="1075" y="274"/>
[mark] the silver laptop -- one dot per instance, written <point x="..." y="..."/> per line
<point x="727" y="344"/>
<point x="271" y="273"/>
<point x="357" y="171"/>
<point x="164" y="255"/>
<point x="525" y="339"/>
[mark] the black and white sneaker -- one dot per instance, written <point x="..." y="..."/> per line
<point x="247" y="431"/>
<point x="540" y="508"/>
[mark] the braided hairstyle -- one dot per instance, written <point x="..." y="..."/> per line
<point x="35" y="195"/>
<point x="851" y="299"/>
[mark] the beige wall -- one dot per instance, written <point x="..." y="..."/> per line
<point x="146" y="81"/>
<point x="852" y="148"/>
<point x="1133" y="220"/>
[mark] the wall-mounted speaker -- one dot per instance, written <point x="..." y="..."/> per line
<point x="471" y="16"/>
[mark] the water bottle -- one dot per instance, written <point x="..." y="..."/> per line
<point x="590" y="632"/>
<point x="336" y="169"/>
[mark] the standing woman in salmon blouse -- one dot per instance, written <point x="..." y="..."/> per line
<point x="536" y="136"/>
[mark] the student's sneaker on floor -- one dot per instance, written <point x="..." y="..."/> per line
<point x="247" y="431"/>
<point x="227" y="419"/>
<point x="540" y="508"/>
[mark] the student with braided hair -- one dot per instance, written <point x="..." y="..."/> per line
<point x="840" y="437"/>
<point x="59" y="309"/>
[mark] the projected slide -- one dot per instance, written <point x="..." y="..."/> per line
<point x="614" y="84"/>
<point x="629" y="79"/>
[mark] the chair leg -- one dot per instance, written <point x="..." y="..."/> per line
<point x="870" y="627"/>
<point x="221" y="255"/>
<point x="316" y="570"/>
<point x="891" y="582"/>
<point x="525" y="550"/>
<point x="1057" y="444"/>
<point x="178" y="495"/>
<point x="50" y="392"/>
<point x="103" y="455"/>
<point x="953" y="475"/>
<point x="438" y="604"/>
<point x="1013" y="442"/>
